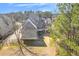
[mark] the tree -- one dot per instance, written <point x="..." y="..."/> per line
<point x="47" y="14"/>
<point x="66" y="29"/>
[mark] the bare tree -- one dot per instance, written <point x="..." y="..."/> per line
<point x="19" y="41"/>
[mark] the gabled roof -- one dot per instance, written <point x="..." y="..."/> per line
<point x="29" y="23"/>
<point x="36" y="20"/>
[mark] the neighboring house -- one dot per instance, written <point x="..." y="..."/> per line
<point x="33" y="27"/>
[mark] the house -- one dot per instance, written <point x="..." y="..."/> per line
<point x="33" y="27"/>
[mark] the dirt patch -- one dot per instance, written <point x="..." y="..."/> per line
<point x="39" y="51"/>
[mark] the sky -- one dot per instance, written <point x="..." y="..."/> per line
<point x="16" y="7"/>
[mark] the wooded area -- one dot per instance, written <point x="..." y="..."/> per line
<point x="65" y="29"/>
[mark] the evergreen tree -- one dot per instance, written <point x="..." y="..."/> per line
<point x="65" y="30"/>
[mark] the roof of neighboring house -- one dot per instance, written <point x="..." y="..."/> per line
<point x="5" y="25"/>
<point x="29" y="24"/>
<point x="36" y="21"/>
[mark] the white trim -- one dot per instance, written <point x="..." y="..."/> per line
<point x="32" y="23"/>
